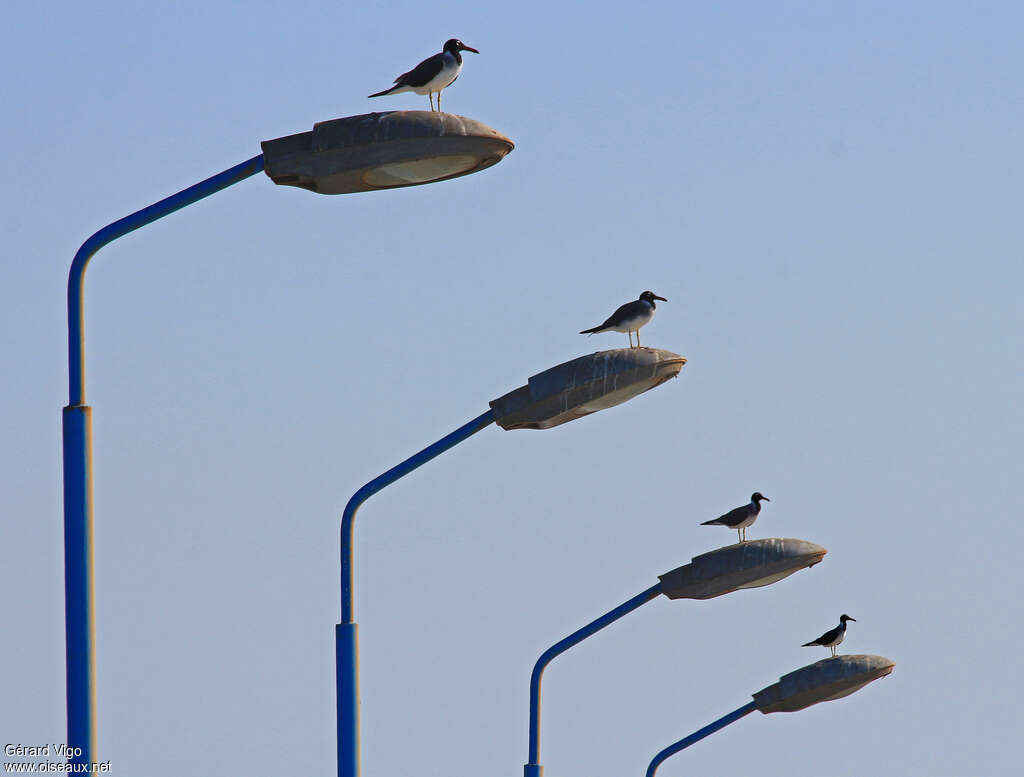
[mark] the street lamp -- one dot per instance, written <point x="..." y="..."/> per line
<point x="825" y="680"/>
<point x="383" y="151"/>
<point x="744" y="565"/>
<point x="359" y="153"/>
<point x="556" y="396"/>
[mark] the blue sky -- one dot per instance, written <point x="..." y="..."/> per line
<point x="829" y="197"/>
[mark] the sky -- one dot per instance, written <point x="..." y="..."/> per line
<point x="828" y="194"/>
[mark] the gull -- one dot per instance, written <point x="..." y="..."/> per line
<point x="832" y="637"/>
<point x="742" y="517"/>
<point x="432" y="74"/>
<point x="629" y="317"/>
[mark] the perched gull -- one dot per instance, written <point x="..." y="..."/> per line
<point x="629" y="317"/>
<point x="832" y="637"/>
<point x="432" y="74"/>
<point x="742" y="517"/>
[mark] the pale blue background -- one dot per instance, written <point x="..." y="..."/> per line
<point x="829" y="194"/>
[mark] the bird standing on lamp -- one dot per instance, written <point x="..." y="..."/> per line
<point x="432" y="74"/>
<point x="629" y="317"/>
<point x="832" y="637"/>
<point x="742" y="517"/>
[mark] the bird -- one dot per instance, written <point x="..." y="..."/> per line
<point x="832" y="637"/>
<point x="629" y="317"/>
<point x="741" y="517"/>
<point x="432" y="74"/>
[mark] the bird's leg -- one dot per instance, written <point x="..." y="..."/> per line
<point x="629" y="334"/>
<point x="430" y="96"/>
<point x="439" y="102"/>
<point x="833" y="651"/>
<point x="637" y="338"/>
<point x="739" y="536"/>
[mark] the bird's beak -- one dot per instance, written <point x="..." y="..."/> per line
<point x="766" y="499"/>
<point x="661" y="298"/>
<point x="469" y="48"/>
<point x="852" y="619"/>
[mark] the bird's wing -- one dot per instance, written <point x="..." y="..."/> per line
<point x="625" y="311"/>
<point x="621" y="312"/>
<point x="734" y="516"/>
<point x="828" y="636"/>
<point x="423" y="72"/>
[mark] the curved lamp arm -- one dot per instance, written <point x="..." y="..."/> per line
<point x="533" y="768"/>
<point x="389" y="477"/>
<point x="120" y="228"/>
<point x="696" y="736"/>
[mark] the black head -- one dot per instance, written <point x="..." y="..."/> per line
<point x="757" y="496"/>
<point x="844" y="618"/>
<point x="650" y="296"/>
<point x="454" y="45"/>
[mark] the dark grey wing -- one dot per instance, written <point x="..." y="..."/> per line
<point x="622" y="313"/>
<point x="734" y="517"/>
<point x="831" y="635"/>
<point x="825" y="639"/>
<point x="423" y="72"/>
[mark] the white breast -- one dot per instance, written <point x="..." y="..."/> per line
<point x="448" y="73"/>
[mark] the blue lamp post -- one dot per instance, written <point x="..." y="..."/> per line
<point x="556" y="396"/>
<point x="825" y="680"/>
<point x="359" y="153"/>
<point x="744" y="565"/>
<point x="346" y="633"/>
<point x="77" y="441"/>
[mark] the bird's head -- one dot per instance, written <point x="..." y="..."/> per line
<point x="757" y="496"/>
<point x="650" y="296"/>
<point x="454" y="45"/>
<point x="844" y="618"/>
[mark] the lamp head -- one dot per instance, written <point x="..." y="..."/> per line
<point x="746" y="565"/>
<point x="387" y="150"/>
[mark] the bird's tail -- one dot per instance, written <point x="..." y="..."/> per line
<point x="810" y="644"/>
<point x="386" y="91"/>
<point x="710" y="523"/>
<point x="591" y="331"/>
